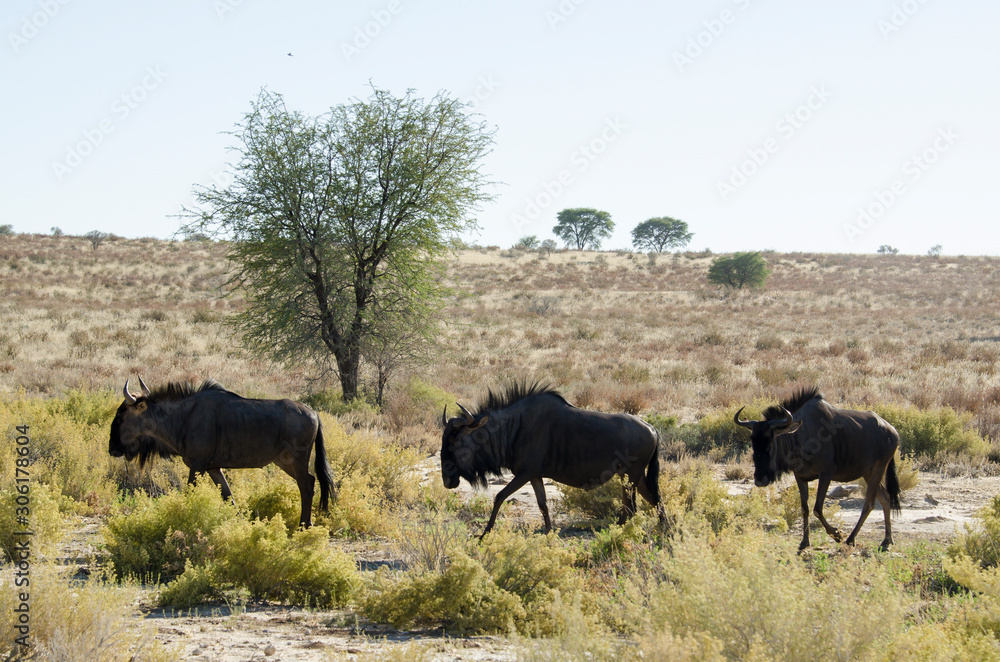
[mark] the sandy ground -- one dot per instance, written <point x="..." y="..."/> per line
<point x="934" y="510"/>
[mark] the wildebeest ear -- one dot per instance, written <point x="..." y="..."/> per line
<point x="141" y="407"/>
<point x="480" y="423"/>
<point x="788" y="429"/>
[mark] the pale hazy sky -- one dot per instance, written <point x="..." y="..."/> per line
<point x="764" y="124"/>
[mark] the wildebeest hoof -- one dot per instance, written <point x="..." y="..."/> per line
<point x="838" y="537"/>
<point x="885" y="545"/>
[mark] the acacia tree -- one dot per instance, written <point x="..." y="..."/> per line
<point x="583" y="228"/>
<point x="739" y="270"/>
<point x="337" y="225"/>
<point x="659" y="233"/>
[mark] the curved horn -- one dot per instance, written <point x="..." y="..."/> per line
<point x="747" y="424"/>
<point x="787" y="419"/>
<point x="444" y="416"/>
<point x="465" y="411"/>
<point x="145" y="389"/>
<point x="129" y="398"/>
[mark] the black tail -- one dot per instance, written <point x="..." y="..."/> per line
<point x="653" y="473"/>
<point x="323" y="472"/>
<point x="892" y="486"/>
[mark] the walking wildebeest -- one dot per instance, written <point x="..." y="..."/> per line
<point x="211" y="429"/>
<point x="809" y="437"/>
<point x="534" y="433"/>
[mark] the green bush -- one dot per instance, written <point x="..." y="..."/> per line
<point x="981" y="543"/>
<point x="332" y="402"/>
<point x="45" y="521"/>
<point x="461" y="599"/>
<point x="260" y="560"/>
<point x="152" y="538"/>
<point x="929" y="432"/>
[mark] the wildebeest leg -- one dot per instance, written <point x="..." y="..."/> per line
<point x="883" y="498"/>
<point x="628" y="501"/>
<point x="220" y="480"/>
<point x="804" y="497"/>
<point x="821" y="489"/>
<point x="513" y="486"/>
<point x="191" y="476"/>
<point x="539" y="488"/>
<point x="298" y="469"/>
<point x="873" y="480"/>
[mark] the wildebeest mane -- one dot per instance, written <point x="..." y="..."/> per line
<point x="175" y="391"/>
<point x="792" y="404"/>
<point x="514" y="392"/>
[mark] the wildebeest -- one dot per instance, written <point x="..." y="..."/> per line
<point x="211" y="429"/>
<point x="809" y="437"/>
<point x="534" y="433"/>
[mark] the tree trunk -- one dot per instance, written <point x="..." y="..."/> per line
<point x="348" y="365"/>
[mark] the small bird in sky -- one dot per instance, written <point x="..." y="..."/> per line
<point x="290" y="55"/>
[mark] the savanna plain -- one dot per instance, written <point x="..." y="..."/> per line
<point x="131" y="564"/>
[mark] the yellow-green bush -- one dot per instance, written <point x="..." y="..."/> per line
<point x="931" y="431"/>
<point x="463" y="598"/>
<point x="763" y="603"/>
<point x="154" y="537"/>
<point x="45" y="521"/>
<point x="90" y="621"/>
<point x="260" y="560"/>
<point x="981" y="542"/>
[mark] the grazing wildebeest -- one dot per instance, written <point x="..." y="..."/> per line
<point x="211" y="429"/>
<point x="809" y="437"/>
<point x="534" y="433"/>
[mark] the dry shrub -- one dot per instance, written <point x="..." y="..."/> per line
<point x="758" y="599"/>
<point x="88" y="622"/>
<point x="45" y="521"/>
<point x="259" y="560"/>
<point x="630" y="401"/>
<point x="981" y="542"/>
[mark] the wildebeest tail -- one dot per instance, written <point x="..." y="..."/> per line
<point x="892" y="486"/>
<point x="653" y="473"/>
<point x="323" y="472"/>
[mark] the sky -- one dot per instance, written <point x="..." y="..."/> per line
<point x="762" y="124"/>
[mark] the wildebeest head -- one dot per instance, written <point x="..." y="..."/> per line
<point x="459" y="449"/>
<point x="762" y="436"/>
<point x="126" y="429"/>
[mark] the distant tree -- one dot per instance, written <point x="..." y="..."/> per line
<point x="886" y="249"/>
<point x="739" y="270"/>
<point x="6" y="230"/>
<point x="583" y="228"/>
<point x="56" y="231"/>
<point x="935" y="250"/>
<point x="659" y="233"/>
<point x="549" y="245"/>
<point x="96" y="238"/>
<point x="529" y="243"/>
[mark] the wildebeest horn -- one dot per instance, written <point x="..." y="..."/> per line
<point x="145" y="389"/>
<point x="444" y="416"/>
<point x="747" y="424"/>
<point x="786" y="420"/>
<point x="129" y="398"/>
<point x="465" y="411"/>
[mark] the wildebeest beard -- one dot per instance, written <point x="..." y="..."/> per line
<point x="484" y="464"/>
<point x="145" y="448"/>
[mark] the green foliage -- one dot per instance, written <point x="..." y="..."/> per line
<point x="661" y="422"/>
<point x="660" y="233"/>
<point x="529" y="242"/>
<point x="340" y="223"/>
<point x="583" y="227"/>
<point x="929" y="432"/>
<point x="739" y="270"/>
<point x="981" y="543"/>
<point x="152" y="538"/>
<point x="45" y="521"/>
<point x="260" y="560"/>
<point x="462" y="599"/>
<point x="332" y="402"/>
